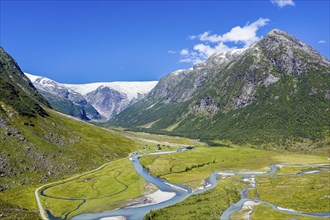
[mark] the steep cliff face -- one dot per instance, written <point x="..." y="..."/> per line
<point x="277" y="86"/>
<point x="107" y="101"/>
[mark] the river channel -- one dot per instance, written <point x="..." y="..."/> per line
<point x="182" y="192"/>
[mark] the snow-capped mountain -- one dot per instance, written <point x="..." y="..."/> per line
<point x="105" y="98"/>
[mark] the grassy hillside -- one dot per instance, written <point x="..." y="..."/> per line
<point x="36" y="150"/>
<point x="16" y="89"/>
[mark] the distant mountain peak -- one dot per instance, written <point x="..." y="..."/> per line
<point x="282" y="44"/>
<point x="277" y="32"/>
<point x="106" y="98"/>
<point x="279" y="35"/>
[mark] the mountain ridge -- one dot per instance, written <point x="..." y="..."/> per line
<point x="268" y="89"/>
<point x="91" y="100"/>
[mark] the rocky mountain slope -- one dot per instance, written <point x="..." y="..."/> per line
<point x="64" y="99"/>
<point x="91" y="101"/>
<point x="39" y="145"/>
<point x="110" y="98"/>
<point x="274" y="89"/>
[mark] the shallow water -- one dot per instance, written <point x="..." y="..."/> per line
<point x="244" y="197"/>
<point x="181" y="192"/>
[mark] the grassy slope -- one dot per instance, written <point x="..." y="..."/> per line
<point x="16" y="90"/>
<point x="36" y="150"/>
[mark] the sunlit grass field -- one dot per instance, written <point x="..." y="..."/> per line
<point x="304" y="193"/>
<point x="208" y="205"/>
<point x="192" y="167"/>
<point x="260" y="211"/>
<point x="104" y="189"/>
<point x="308" y="192"/>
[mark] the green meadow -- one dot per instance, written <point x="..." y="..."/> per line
<point x="260" y="211"/>
<point x="303" y="193"/>
<point x="207" y="205"/>
<point x="192" y="167"/>
<point x="105" y="189"/>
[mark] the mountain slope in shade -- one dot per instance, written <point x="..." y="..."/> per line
<point x="93" y="100"/>
<point x="275" y="89"/>
<point x="17" y="90"/>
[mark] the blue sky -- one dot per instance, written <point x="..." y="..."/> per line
<point x="90" y="41"/>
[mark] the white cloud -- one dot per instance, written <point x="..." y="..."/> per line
<point x="172" y="52"/>
<point x="211" y="38"/>
<point x="246" y="34"/>
<point x="322" y="42"/>
<point x="283" y="3"/>
<point x="184" y="52"/>
<point x="211" y="43"/>
<point x="191" y="37"/>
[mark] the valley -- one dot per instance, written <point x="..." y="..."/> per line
<point x="243" y="135"/>
<point x="112" y="187"/>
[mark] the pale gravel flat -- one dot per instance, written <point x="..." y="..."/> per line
<point x="114" y="218"/>
<point x="160" y="196"/>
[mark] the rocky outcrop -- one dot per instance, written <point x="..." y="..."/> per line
<point x="206" y="106"/>
<point x="107" y="101"/>
<point x="64" y="99"/>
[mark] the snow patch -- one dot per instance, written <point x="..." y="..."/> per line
<point x="131" y="89"/>
<point x="33" y="78"/>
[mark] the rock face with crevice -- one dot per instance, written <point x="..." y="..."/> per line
<point x="278" y="85"/>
